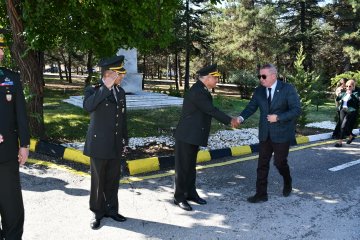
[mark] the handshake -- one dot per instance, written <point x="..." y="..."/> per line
<point x="235" y="122"/>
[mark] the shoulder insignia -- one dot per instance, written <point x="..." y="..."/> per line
<point x="96" y="85"/>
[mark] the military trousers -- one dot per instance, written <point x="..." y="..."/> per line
<point x="11" y="201"/>
<point x="185" y="170"/>
<point x="105" y="177"/>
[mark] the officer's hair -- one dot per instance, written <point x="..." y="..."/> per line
<point x="271" y="68"/>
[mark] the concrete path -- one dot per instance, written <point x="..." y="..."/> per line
<point x="324" y="204"/>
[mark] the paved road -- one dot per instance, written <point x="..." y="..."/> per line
<point x="324" y="205"/>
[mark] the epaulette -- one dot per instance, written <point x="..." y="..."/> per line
<point x="96" y="85"/>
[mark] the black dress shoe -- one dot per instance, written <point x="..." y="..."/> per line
<point x="287" y="190"/>
<point x="197" y="200"/>
<point x="338" y="145"/>
<point x="257" y="198"/>
<point x="183" y="205"/>
<point x="117" y="217"/>
<point x="350" y="140"/>
<point x="95" y="223"/>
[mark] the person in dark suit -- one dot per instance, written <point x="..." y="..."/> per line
<point x="348" y="107"/>
<point x="106" y="139"/>
<point x="14" y="151"/>
<point x="340" y="88"/>
<point x="193" y="131"/>
<point x="279" y="106"/>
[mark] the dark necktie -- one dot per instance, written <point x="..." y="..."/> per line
<point x="269" y="97"/>
<point x="114" y="92"/>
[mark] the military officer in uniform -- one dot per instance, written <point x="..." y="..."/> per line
<point x="14" y="151"/>
<point x="193" y="131"/>
<point x="106" y="139"/>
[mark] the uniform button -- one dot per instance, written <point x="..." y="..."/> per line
<point x="106" y="104"/>
<point x="115" y="133"/>
<point x="123" y="110"/>
<point x="117" y="124"/>
<point x="95" y="135"/>
<point x="117" y="106"/>
<point x="117" y="115"/>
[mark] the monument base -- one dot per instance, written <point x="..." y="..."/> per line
<point x="132" y="82"/>
<point x="139" y="100"/>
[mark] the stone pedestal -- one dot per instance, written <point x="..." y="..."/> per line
<point x="132" y="83"/>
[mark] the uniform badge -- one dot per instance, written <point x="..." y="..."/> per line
<point x="8" y="96"/>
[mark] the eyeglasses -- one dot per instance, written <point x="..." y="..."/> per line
<point x="262" y="76"/>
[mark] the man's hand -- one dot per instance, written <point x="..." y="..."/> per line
<point x="235" y="122"/>
<point x="272" y="118"/>
<point x="109" y="78"/>
<point x="1" y="138"/>
<point x="23" y="155"/>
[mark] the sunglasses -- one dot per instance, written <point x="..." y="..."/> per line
<point x="262" y="76"/>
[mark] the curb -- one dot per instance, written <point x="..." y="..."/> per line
<point x="146" y="165"/>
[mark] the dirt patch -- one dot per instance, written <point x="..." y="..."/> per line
<point x="151" y="150"/>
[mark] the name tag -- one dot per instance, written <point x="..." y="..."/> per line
<point x="7" y="83"/>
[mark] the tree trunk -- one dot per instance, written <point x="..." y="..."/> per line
<point x="65" y="64"/>
<point x="180" y="70"/>
<point x="69" y="68"/>
<point x="144" y="72"/>
<point x="187" y="49"/>
<point x="176" y="71"/>
<point x="60" y="71"/>
<point x="30" y="65"/>
<point x="89" y="68"/>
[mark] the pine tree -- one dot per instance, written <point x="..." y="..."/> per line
<point x="303" y="81"/>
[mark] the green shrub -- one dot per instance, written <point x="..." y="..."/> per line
<point x="174" y="92"/>
<point x="246" y="80"/>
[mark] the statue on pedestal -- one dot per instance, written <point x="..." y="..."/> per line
<point x="132" y="83"/>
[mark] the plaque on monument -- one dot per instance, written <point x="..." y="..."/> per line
<point x="132" y="83"/>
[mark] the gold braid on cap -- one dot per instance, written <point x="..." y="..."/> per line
<point x="215" y="74"/>
<point x="119" y="69"/>
<point x="2" y="42"/>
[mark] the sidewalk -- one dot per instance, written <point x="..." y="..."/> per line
<point x="152" y="164"/>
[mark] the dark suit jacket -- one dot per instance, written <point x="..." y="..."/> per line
<point x="352" y="103"/>
<point x="107" y="132"/>
<point x="197" y="112"/>
<point x="285" y="104"/>
<point x="13" y="117"/>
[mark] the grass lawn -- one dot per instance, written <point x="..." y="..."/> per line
<point x="67" y="123"/>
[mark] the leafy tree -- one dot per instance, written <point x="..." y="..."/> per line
<point x="246" y="80"/>
<point x="344" y="17"/>
<point x="298" y="22"/>
<point x="245" y="34"/>
<point x="99" y="26"/>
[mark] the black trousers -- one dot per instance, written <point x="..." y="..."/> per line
<point x="281" y="152"/>
<point x="11" y="201"/>
<point x="105" y="177"/>
<point x="185" y="170"/>
<point x="347" y="121"/>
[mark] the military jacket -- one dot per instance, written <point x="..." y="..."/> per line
<point x="107" y="132"/>
<point x="13" y="118"/>
<point x="197" y="113"/>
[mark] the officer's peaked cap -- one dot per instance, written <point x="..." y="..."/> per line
<point x="114" y="63"/>
<point x="209" y="70"/>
